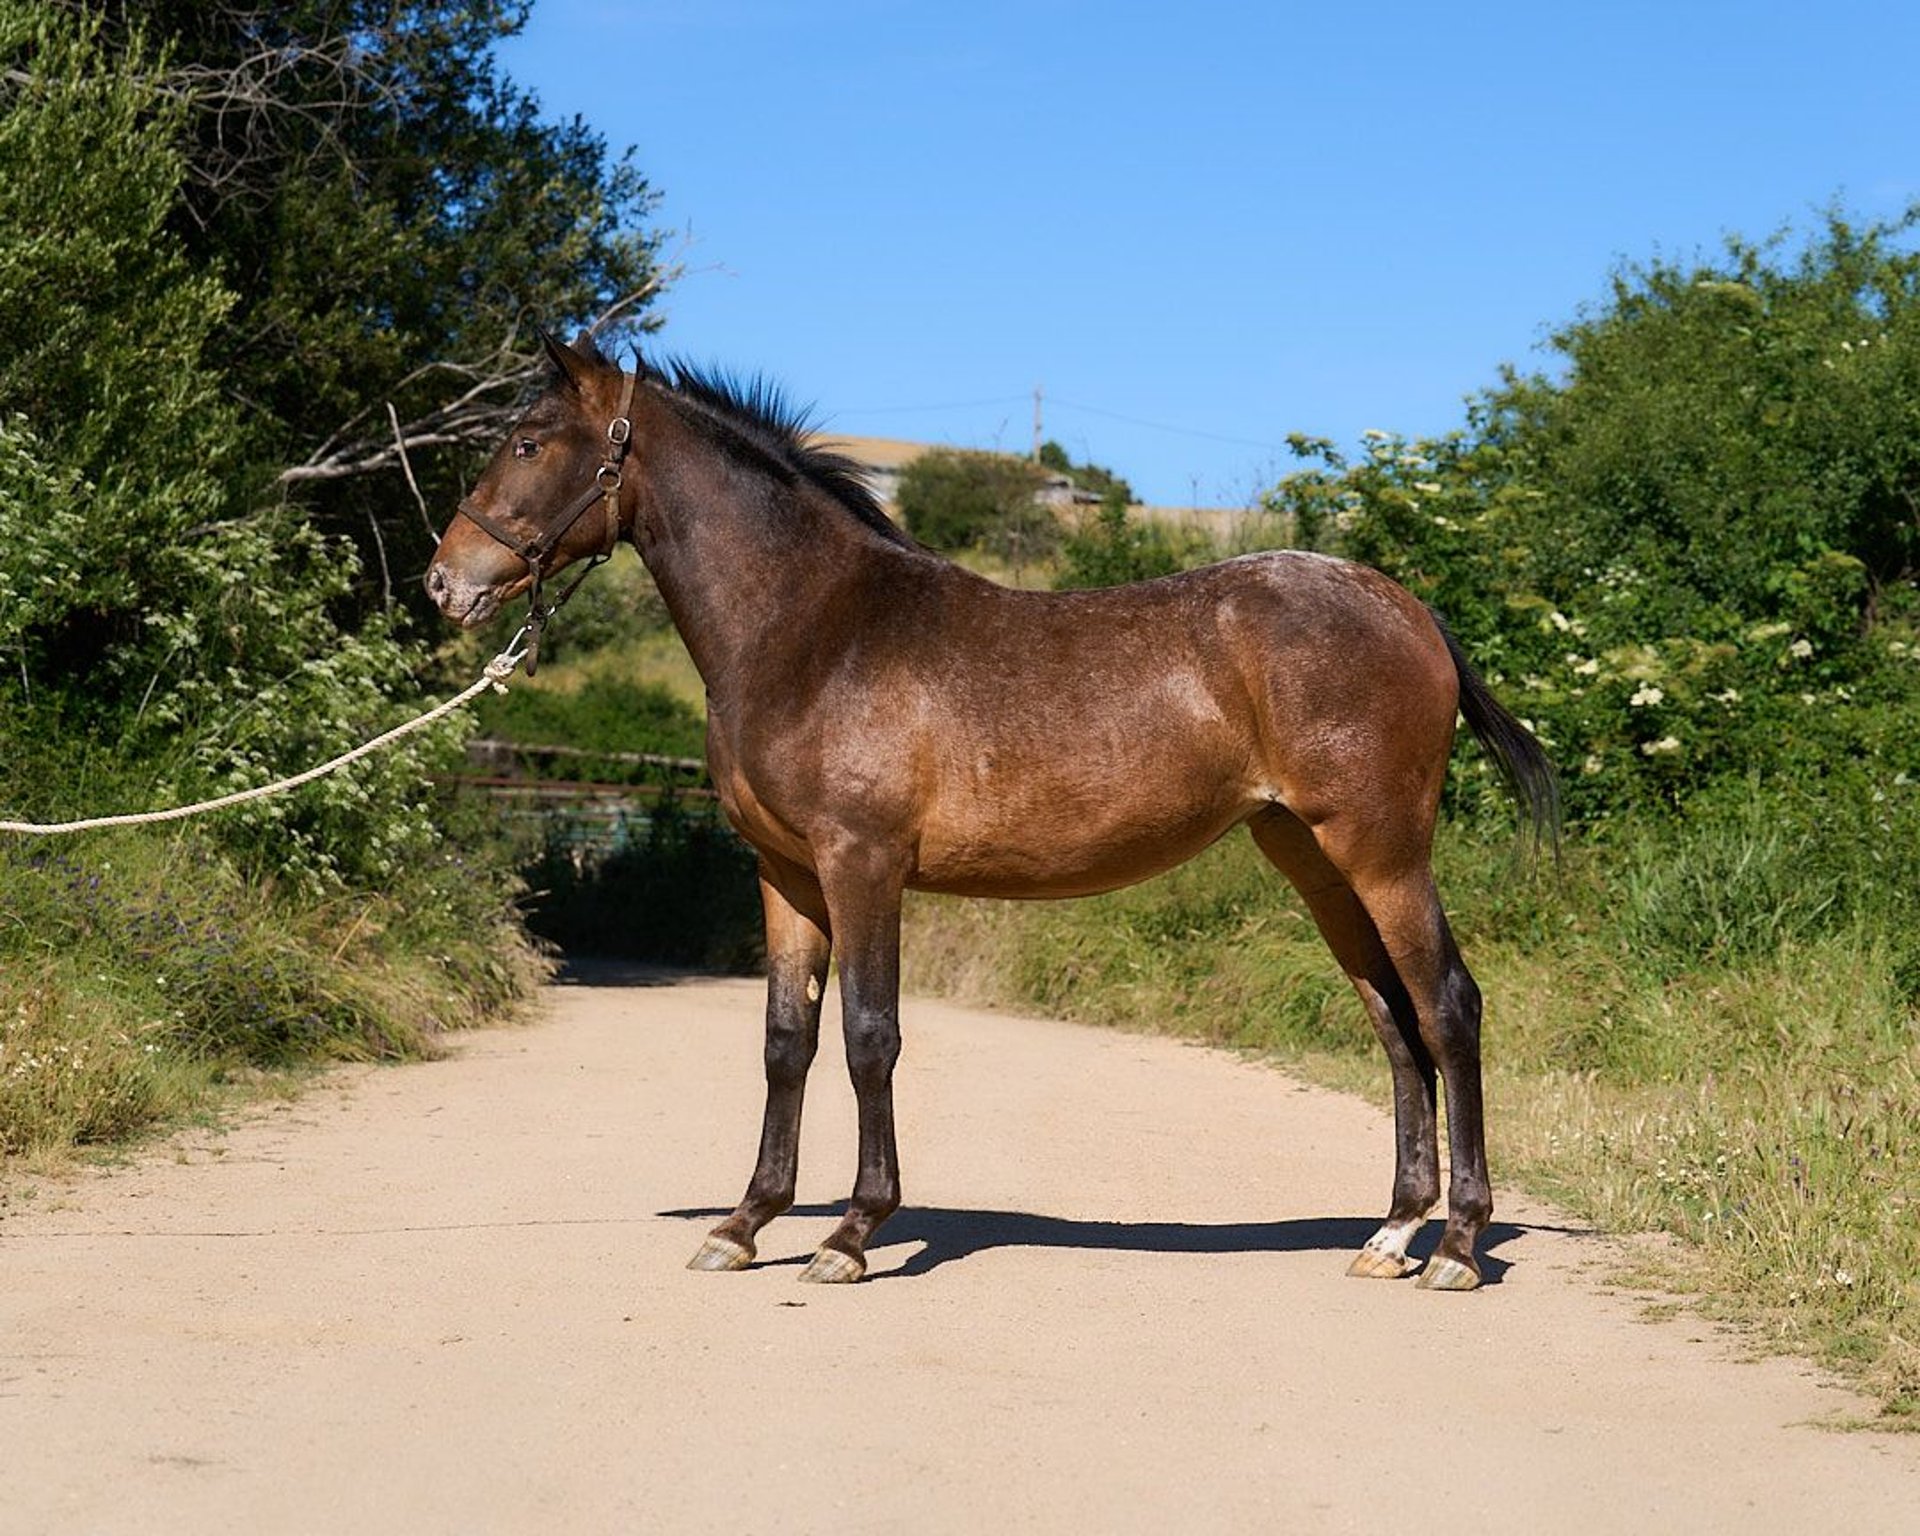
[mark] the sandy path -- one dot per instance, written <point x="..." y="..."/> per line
<point x="449" y="1299"/>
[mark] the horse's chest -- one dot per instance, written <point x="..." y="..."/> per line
<point x="780" y="798"/>
<point x="768" y="826"/>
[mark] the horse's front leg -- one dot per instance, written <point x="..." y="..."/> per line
<point x="798" y="947"/>
<point x="863" y="893"/>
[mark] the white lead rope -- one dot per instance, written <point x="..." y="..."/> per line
<point x="495" y="675"/>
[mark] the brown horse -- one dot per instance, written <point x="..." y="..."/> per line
<point x="880" y="719"/>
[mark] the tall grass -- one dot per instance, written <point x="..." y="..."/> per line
<point x="142" y="972"/>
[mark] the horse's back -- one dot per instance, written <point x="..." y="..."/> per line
<point x="1272" y="644"/>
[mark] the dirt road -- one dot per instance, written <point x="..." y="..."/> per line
<point x="449" y="1298"/>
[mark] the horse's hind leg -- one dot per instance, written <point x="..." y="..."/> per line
<point x="798" y="948"/>
<point x="1385" y="863"/>
<point x="1415" y="931"/>
<point x="1355" y="942"/>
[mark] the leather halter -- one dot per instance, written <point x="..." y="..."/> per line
<point x="535" y="551"/>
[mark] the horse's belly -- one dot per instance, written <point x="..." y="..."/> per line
<point x="1067" y="850"/>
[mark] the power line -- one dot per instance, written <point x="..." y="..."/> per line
<point x="1056" y="400"/>
<point x="1072" y="405"/>
<point x="1161" y="426"/>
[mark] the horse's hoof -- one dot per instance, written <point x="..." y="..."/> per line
<point x="721" y="1253"/>
<point x="832" y="1267"/>
<point x="1379" y="1264"/>
<point x="1444" y="1274"/>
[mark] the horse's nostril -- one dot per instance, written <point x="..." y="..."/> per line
<point x="436" y="583"/>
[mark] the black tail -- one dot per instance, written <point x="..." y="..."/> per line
<point x="1522" y="764"/>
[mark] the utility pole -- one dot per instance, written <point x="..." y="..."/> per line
<point x="1036" y="424"/>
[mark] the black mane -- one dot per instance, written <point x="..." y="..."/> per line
<point x="753" y="414"/>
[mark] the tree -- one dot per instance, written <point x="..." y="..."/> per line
<point x="175" y="326"/>
<point x="388" y="216"/>
<point x="1691" y="553"/>
<point x="1727" y="422"/>
<point x="121" y="448"/>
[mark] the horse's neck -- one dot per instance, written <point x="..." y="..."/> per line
<point x="746" y="567"/>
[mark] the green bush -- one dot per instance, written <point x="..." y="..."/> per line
<point x="1110" y="547"/>
<point x="954" y="500"/>
<point x="173" y="625"/>
<point x="1096" y="479"/>
<point x="161" y="616"/>
<point x="1683" y="559"/>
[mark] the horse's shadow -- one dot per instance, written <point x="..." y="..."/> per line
<point x="946" y="1236"/>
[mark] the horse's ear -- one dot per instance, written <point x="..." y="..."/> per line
<point x="567" y="361"/>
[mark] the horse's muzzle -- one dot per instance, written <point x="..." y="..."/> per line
<point x="467" y="603"/>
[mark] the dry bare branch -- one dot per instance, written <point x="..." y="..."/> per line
<point x="475" y="416"/>
<point x="400" y="441"/>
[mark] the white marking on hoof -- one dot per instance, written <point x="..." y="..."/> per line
<point x="1385" y="1255"/>
<point x="1379" y="1266"/>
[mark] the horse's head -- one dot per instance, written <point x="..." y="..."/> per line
<point x="549" y="497"/>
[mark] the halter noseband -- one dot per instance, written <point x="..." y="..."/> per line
<point x="606" y="485"/>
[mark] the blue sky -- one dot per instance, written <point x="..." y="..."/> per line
<point x="1200" y="228"/>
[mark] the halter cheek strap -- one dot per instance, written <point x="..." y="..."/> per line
<point x="534" y="551"/>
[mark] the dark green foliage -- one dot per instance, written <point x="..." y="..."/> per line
<point x="1692" y="555"/>
<point x="1728" y="422"/>
<point x="386" y="213"/>
<point x="113" y="435"/>
<point x="269" y="223"/>
<point x="230" y="236"/>
<point x="147" y="612"/>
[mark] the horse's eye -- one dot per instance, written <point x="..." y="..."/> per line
<point x="526" y="448"/>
